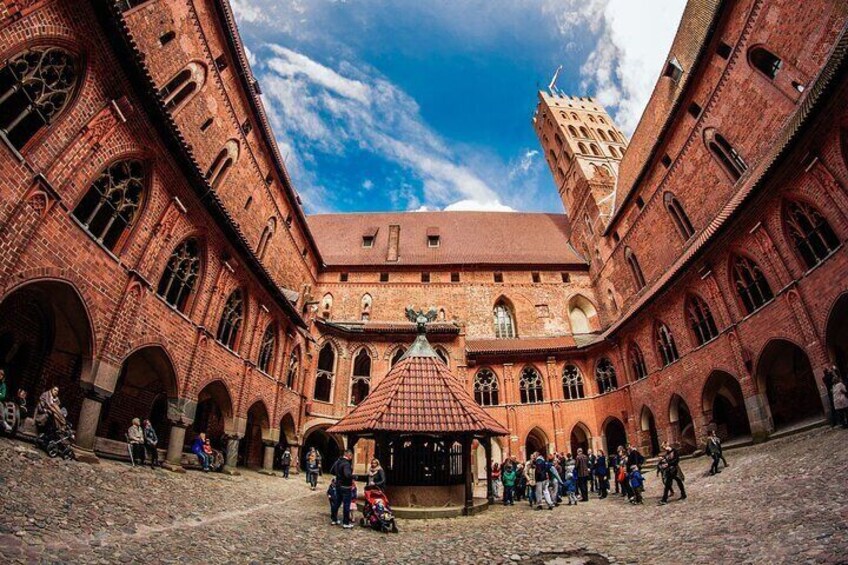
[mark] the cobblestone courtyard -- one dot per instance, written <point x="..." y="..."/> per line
<point x="780" y="502"/>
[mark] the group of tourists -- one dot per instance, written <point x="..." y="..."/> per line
<point x="342" y="490"/>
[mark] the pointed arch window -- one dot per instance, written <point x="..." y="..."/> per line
<point x="266" y="350"/>
<point x="584" y="132"/>
<point x="613" y="152"/>
<point x="602" y="135"/>
<point x="110" y="206"/>
<point x="765" y="61"/>
<point x="36" y="86"/>
<point x="397" y="355"/>
<point x="179" y="279"/>
<point x="360" y="384"/>
<point x="293" y="368"/>
<point x="725" y="154"/>
<point x="223" y="163"/>
<point x="266" y="236"/>
<point x="573" y="131"/>
<point x="530" y="386"/>
<point x="486" y="388"/>
<point x="811" y="233"/>
<point x="504" y="322"/>
<point x="443" y="355"/>
<point x="637" y="362"/>
<point x="582" y="148"/>
<point x="678" y="215"/>
<point x="231" y="319"/>
<point x="595" y="150"/>
<point x="572" y="383"/>
<point x="701" y="320"/>
<point x="325" y="374"/>
<point x="635" y="269"/>
<point x="183" y="86"/>
<point x="666" y="345"/>
<point x="605" y="376"/>
<point x="751" y="285"/>
<point x="613" y="136"/>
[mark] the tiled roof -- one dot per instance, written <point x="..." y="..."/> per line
<point x="695" y="26"/>
<point x="523" y="345"/>
<point x="419" y="395"/>
<point x="355" y="326"/>
<point x="465" y="238"/>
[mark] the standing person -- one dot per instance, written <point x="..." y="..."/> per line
<point x="602" y="474"/>
<point x="342" y="470"/>
<point x="593" y="481"/>
<point x="285" y="462"/>
<point x="840" y="402"/>
<point x="151" y="440"/>
<point x="312" y="470"/>
<point x="135" y="437"/>
<point x="332" y="496"/>
<point x="496" y="480"/>
<point x="582" y="465"/>
<point x="621" y="477"/>
<point x="830" y="379"/>
<point x="634" y="457"/>
<point x="530" y="475"/>
<point x="520" y="489"/>
<point x="554" y="480"/>
<point x="637" y="484"/>
<point x="376" y="476"/>
<point x="3" y="393"/>
<point x="714" y="451"/>
<point x="541" y="474"/>
<point x="508" y="478"/>
<point x="197" y="447"/>
<point x="672" y="473"/>
<point x="571" y="482"/>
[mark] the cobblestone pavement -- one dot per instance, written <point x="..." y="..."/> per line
<point x="780" y="502"/>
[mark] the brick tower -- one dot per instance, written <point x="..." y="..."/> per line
<point x="583" y="148"/>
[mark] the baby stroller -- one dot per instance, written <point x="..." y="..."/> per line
<point x="377" y="513"/>
<point x="57" y="437"/>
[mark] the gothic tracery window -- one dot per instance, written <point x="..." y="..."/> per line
<point x="751" y="285"/>
<point x="266" y="349"/>
<point x="700" y="320"/>
<point x="180" y="276"/>
<point x="605" y="376"/>
<point x="231" y="319"/>
<point x="666" y="345"/>
<point x="36" y="86"/>
<point x="504" y="322"/>
<point x="637" y="362"/>
<point x="110" y="206"/>
<point x="325" y="373"/>
<point x="811" y="233"/>
<point x="361" y="380"/>
<point x="486" y="388"/>
<point x="572" y="383"/>
<point x="530" y="386"/>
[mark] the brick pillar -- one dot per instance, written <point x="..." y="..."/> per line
<point x="232" y="455"/>
<point x="268" y="458"/>
<point x="176" y="440"/>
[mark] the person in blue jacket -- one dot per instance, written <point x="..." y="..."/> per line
<point x="197" y="449"/>
<point x="602" y="473"/>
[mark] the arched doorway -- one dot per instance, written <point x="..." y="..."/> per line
<point x="785" y="374"/>
<point x="146" y="382"/>
<point x="258" y="425"/>
<point x="836" y="334"/>
<point x="580" y="438"/>
<point x="287" y="438"/>
<point x="615" y="435"/>
<point x="650" y="437"/>
<point x="478" y="462"/>
<point x="724" y="406"/>
<point x="329" y="446"/>
<point x="682" y="425"/>
<point x="46" y="340"/>
<point x="536" y="442"/>
<point x="214" y="415"/>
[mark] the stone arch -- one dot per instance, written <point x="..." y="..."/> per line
<point x="479" y="457"/>
<point x="723" y="405"/>
<point x="329" y="446"/>
<point x="536" y="441"/>
<point x="615" y="434"/>
<point x="257" y="431"/>
<point x="146" y="387"/>
<point x="504" y="319"/>
<point x="836" y="333"/>
<point x="785" y="375"/>
<point x="47" y="339"/>
<point x="395" y="352"/>
<point x="583" y="315"/>
<point x="288" y="438"/>
<point x="580" y="438"/>
<point x="681" y="425"/>
<point x="213" y="414"/>
<point x="650" y="436"/>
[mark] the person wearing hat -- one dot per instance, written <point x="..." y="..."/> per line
<point x="672" y="474"/>
<point x="135" y="437"/>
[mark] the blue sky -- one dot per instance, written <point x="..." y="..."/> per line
<point x="407" y="105"/>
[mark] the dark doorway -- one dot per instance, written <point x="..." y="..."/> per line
<point x="214" y="413"/>
<point x="580" y="438"/>
<point x="536" y="442"/>
<point x="684" y="427"/>
<point x="724" y="406"/>
<point x="251" y="448"/>
<point x="287" y="432"/>
<point x="837" y="334"/>
<point x="326" y="445"/>
<point x="615" y="435"/>
<point x="785" y="373"/>
<point x="649" y="429"/>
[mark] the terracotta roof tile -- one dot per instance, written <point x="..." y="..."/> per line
<point x="471" y="238"/>
<point x="419" y="395"/>
<point x="521" y="345"/>
<point x="357" y="326"/>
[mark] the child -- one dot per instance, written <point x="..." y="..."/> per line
<point x="637" y="484"/>
<point x="331" y="496"/>
<point x="571" y="485"/>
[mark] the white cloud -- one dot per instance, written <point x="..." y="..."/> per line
<point x="522" y="166"/>
<point x="368" y="184"/>
<point x="475" y="206"/>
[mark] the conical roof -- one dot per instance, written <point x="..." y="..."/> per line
<point x="419" y="395"/>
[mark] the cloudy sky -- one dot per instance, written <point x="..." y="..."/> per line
<point x="402" y="105"/>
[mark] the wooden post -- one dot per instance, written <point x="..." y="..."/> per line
<point x="487" y="446"/>
<point x="466" y="466"/>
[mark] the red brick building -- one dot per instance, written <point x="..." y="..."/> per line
<point x="155" y="260"/>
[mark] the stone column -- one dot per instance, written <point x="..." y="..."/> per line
<point x="487" y="446"/>
<point x="759" y="417"/>
<point x="295" y="454"/>
<point x="268" y="458"/>
<point x="231" y="465"/>
<point x="176" y="440"/>
<point x="86" y="431"/>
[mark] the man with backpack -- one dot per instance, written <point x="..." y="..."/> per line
<point x="342" y="470"/>
<point x="581" y="462"/>
<point x="541" y="474"/>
